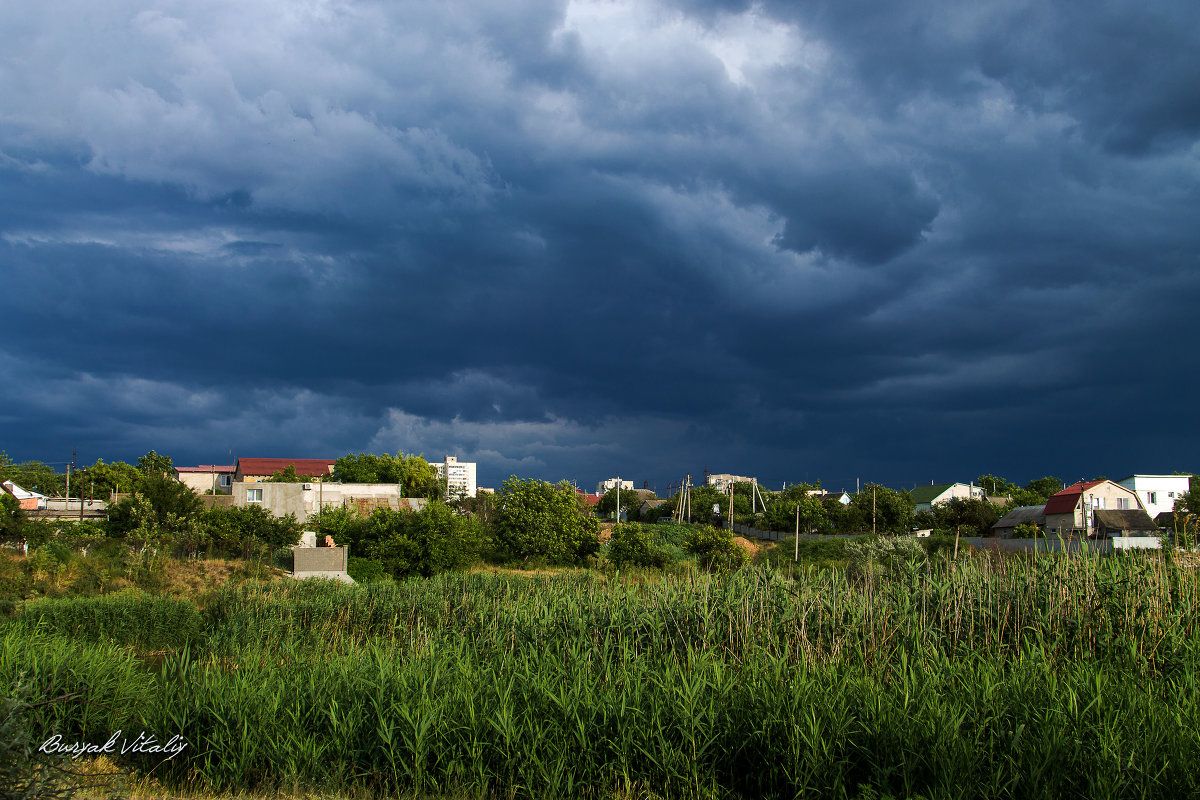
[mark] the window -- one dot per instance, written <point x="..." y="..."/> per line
<point x="1123" y="503"/>
<point x="1152" y="497"/>
<point x="254" y="495"/>
<point x="226" y="481"/>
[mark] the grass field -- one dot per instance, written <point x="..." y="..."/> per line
<point x="977" y="678"/>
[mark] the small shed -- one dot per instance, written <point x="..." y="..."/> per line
<point x="1124" y="522"/>
<point x="1021" y="515"/>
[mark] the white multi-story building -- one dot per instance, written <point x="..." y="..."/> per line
<point x="1157" y="492"/>
<point x="721" y="481"/>
<point x="459" y="477"/>
<point x="612" y="483"/>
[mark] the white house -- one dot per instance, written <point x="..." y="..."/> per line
<point x="1157" y="492"/>
<point x="926" y="497"/>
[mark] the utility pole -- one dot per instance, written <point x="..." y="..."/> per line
<point x="797" y="533"/>
<point x="872" y="510"/>
<point x="731" y="506"/>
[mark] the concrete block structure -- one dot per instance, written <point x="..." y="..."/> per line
<point x="306" y="499"/>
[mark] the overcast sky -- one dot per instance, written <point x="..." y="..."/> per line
<point x="895" y="241"/>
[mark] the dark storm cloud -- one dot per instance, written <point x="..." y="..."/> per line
<point x="574" y="239"/>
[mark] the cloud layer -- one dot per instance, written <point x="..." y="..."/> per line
<point x="814" y="241"/>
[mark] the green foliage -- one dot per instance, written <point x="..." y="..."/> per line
<point x="246" y="531"/>
<point x="996" y="486"/>
<point x="288" y="475"/>
<point x="26" y="773"/>
<point x="161" y="510"/>
<point x="714" y="548"/>
<point x="876" y="557"/>
<point x="640" y="546"/>
<point x="1037" y="492"/>
<point x="414" y="473"/>
<point x="12" y="518"/>
<point x="968" y="516"/>
<point x="1027" y="530"/>
<point x="539" y="520"/>
<point x="33" y="476"/>
<point x="365" y="570"/>
<point x="884" y="509"/>
<point x="154" y="465"/>
<point x="824" y="554"/>
<point x="966" y="680"/>
<point x="427" y="542"/>
<point x="101" y="480"/>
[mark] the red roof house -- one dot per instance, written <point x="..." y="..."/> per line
<point x="259" y="469"/>
<point x="1073" y="509"/>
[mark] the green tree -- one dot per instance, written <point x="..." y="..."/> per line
<point x="996" y="486"/>
<point x="288" y="475"/>
<point x="101" y="480"/>
<point x="160" y="509"/>
<point x="154" y="464"/>
<point x="537" y="519"/>
<point x="416" y="475"/>
<point x="1037" y="492"/>
<point x="883" y="509"/>
<point x="426" y="542"/>
<point x="34" y="476"/>
<point x="247" y="531"/>
<point x="969" y="515"/>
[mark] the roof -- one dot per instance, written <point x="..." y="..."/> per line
<point x="269" y="466"/>
<point x="1064" y="502"/>
<point x="207" y="468"/>
<point x="1021" y="514"/>
<point x="19" y="493"/>
<point x="1126" y="519"/>
<point x="927" y="494"/>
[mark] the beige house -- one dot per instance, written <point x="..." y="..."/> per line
<point x="1073" y="509"/>
<point x="207" y="478"/>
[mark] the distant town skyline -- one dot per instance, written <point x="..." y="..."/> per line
<point x="898" y="243"/>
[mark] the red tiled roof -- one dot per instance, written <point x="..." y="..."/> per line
<point x="269" y="466"/>
<point x="1065" y="501"/>
<point x="207" y="468"/>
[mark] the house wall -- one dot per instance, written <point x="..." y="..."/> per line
<point x="1157" y="492"/>
<point x="281" y="499"/>
<point x="201" y="482"/>
<point x="964" y="491"/>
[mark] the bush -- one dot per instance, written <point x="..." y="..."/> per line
<point x="426" y="542"/>
<point x="635" y="545"/>
<point x="714" y="548"/>
<point x="365" y="570"/>
<point x="539" y="520"/>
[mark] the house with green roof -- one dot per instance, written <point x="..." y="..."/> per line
<point x="926" y="497"/>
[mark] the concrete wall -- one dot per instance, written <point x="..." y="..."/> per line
<point x="319" y="559"/>
<point x="281" y="499"/>
<point x="201" y="482"/>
